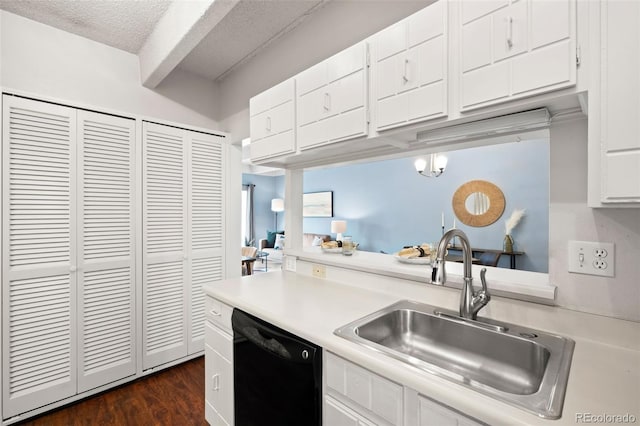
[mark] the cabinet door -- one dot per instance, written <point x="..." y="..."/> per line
<point x="165" y="228"/>
<point x="514" y="49"/>
<point x="411" y="83"/>
<point x="272" y="122"/>
<point x="219" y="375"/>
<point x="332" y="99"/>
<point x="620" y="102"/>
<point x="106" y="252"/>
<point x="39" y="221"/>
<point x="206" y="237"/>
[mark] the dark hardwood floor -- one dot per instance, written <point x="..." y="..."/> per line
<point x="171" y="397"/>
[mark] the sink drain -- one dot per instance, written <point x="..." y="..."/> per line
<point x="529" y="335"/>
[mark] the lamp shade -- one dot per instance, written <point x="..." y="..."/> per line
<point x="338" y="226"/>
<point x="440" y="162"/>
<point x="420" y="165"/>
<point x="277" y="205"/>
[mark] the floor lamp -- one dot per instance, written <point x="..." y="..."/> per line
<point x="277" y="205"/>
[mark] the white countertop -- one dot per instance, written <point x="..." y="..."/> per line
<point x="605" y="371"/>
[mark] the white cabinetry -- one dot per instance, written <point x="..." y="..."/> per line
<point x="218" y="364"/>
<point x="183" y="241"/>
<point x="357" y="397"/>
<point x="68" y="246"/>
<point x="337" y="414"/>
<point x="272" y="122"/>
<point x="510" y="49"/>
<point x="331" y="99"/>
<point x="411" y="68"/>
<point x="614" y="106"/>
<point x="377" y="399"/>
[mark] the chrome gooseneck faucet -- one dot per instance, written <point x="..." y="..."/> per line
<point x="470" y="301"/>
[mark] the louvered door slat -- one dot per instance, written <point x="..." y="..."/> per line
<point x="106" y="249"/>
<point x="38" y="289"/>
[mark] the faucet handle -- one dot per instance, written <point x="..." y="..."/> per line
<point x="438" y="274"/>
<point x="483" y="280"/>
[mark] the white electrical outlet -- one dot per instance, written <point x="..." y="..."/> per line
<point x="319" y="271"/>
<point x="592" y="258"/>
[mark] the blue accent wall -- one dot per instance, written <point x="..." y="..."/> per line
<point x="387" y="205"/>
<point x="267" y="188"/>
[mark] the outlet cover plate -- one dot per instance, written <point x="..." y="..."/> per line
<point x="592" y="258"/>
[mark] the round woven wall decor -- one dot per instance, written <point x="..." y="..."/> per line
<point x="496" y="203"/>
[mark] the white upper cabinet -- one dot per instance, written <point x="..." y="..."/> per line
<point x="411" y="68"/>
<point x="272" y="122"/>
<point x="614" y="110"/>
<point x="332" y="99"/>
<point x="512" y="49"/>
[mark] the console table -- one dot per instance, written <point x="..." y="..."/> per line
<point x="477" y="253"/>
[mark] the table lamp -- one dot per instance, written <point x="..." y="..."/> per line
<point x="338" y="227"/>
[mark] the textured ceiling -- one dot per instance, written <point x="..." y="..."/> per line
<point x="249" y="27"/>
<point x="123" y="24"/>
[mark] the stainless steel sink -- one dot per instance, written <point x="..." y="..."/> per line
<point x="524" y="367"/>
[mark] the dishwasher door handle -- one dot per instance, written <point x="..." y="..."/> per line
<point x="271" y="339"/>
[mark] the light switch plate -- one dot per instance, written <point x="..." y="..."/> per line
<point x="592" y="258"/>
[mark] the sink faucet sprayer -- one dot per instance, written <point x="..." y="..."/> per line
<point x="470" y="302"/>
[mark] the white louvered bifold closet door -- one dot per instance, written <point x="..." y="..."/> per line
<point x="38" y="271"/>
<point x="206" y="243"/>
<point x="165" y="223"/>
<point x="106" y="240"/>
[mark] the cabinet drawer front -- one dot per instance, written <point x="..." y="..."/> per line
<point x="219" y="313"/>
<point x="273" y="97"/>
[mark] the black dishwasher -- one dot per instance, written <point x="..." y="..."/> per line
<point x="277" y="375"/>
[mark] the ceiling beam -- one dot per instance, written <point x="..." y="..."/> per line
<point x="179" y="30"/>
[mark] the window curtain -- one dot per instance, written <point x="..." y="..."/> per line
<point x="247" y="192"/>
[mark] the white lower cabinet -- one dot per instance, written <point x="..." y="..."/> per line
<point x="355" y="396"/>
<point x="337" y="414"/>
<point x="218" y="365"/>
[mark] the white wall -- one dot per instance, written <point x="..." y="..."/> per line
<point x="334" y="27"/>
<point x="51" y="63"/>
<point x="571" y="219"/>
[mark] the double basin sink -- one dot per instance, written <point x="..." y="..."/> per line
<point x="520" y="366"/>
